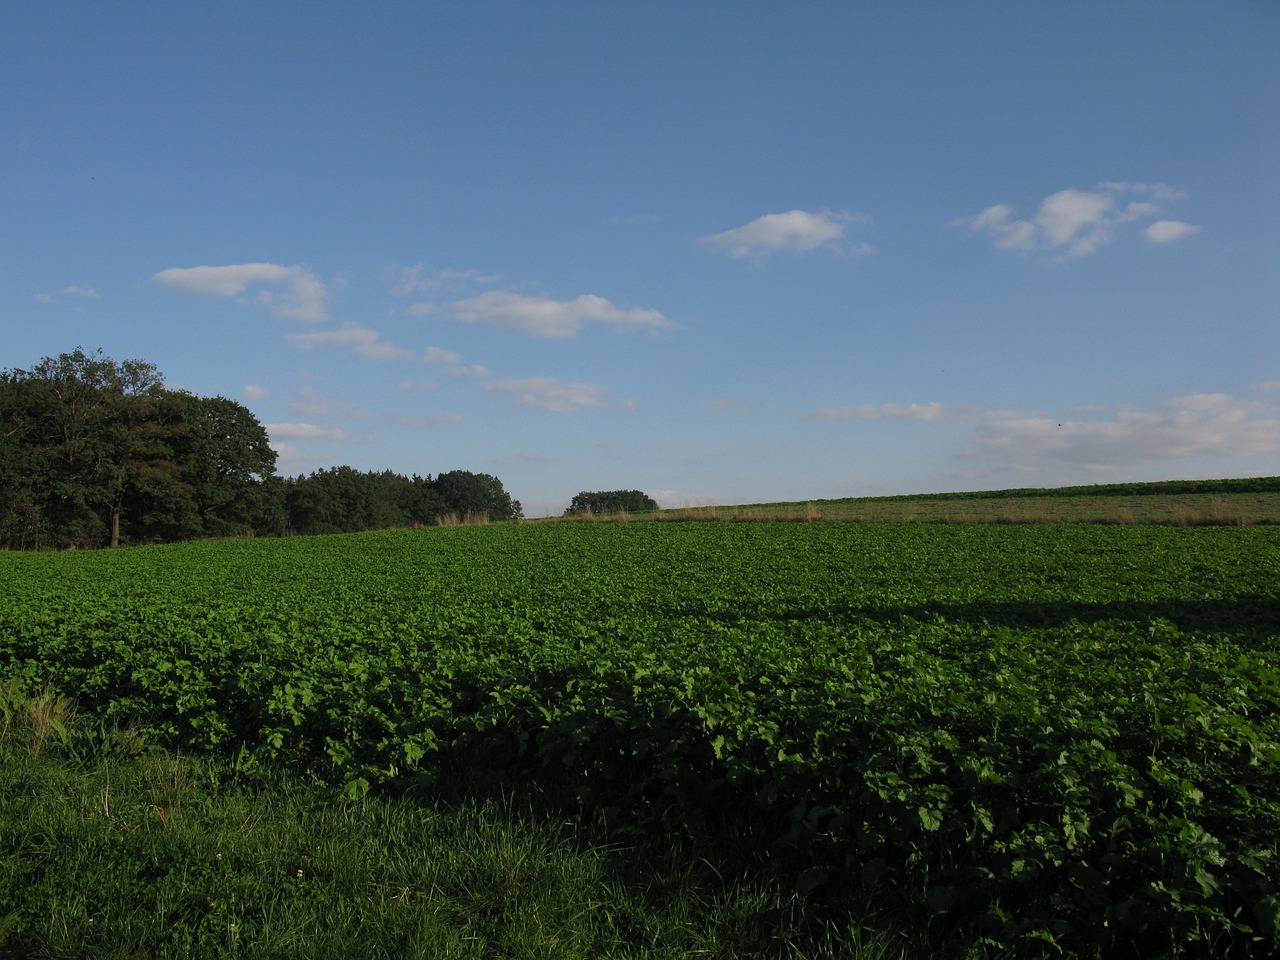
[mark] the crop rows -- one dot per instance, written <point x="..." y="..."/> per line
<point x="1064" y="735"/>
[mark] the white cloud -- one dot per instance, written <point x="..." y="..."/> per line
<point x="545" y="393"/>
<point x="1076" y="219"/>
<point x="545" y="317"/>
<point x="254" y="392"/>
<point x="1196" y="425"/>
<point x="1076" y="223"/>
<point x="293" y="293"/>
<point x="867" y="411"/>
<point x="1009" y="234"/>
<point x="1169" y="231"/>
<point x="796" y="231"/>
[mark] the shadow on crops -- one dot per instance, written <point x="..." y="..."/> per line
<point x="1248" y="616"/>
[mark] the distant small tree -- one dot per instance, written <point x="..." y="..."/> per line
<point x="610" y="501"/>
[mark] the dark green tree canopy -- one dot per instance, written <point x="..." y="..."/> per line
<point x="97" y="452"/>
<point x="477" y="494"/>
<point x="610" y="501"/>
<point x="346" y="500"/>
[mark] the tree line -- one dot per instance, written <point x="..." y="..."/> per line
<point x="599" y="502"/>
<point x="98" y="452"/>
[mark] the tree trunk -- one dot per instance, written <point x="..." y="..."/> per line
<point x="115" y="526"/>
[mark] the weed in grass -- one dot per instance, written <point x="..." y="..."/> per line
<point x="36" y="719"/>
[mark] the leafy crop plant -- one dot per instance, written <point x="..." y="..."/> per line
<point x="1037" y="740"/>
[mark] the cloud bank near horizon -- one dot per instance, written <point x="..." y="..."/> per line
<point x="1183" y="428"/>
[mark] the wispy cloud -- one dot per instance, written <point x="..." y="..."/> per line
<point x="1160" y="191"/>
<point x="253" y="391"/>
<point x="474" y="370"/>
<point x="309" y="431"/>
<point x="428" y="423"/>
<point x="292" y="292"/>
<point x="796" y="231"/>
<point x="436" y="355"/>
<point x="545" y="317"/>
<point x="545" y="393"/>
<point x="87" y="293"/>
<point x="415" y="279"/>
<point x="359" y="340"/>
<point x="868" y="411"/>
<point x="1076" y="223"/>
<point x="310" y="403"/>
<point x="369" y="344"/>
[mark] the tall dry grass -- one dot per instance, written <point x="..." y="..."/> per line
<point x="468" y="519"/>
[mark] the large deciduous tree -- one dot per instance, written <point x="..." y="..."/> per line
<point x="89" y="419"/>
<point x="94" y="450"/>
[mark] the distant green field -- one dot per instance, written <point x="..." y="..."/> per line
<point x="1182" y="510"/>
<point x="1175" y="502"/>
<point x="1030" y="736"/>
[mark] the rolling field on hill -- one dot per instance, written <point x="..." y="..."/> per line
<point x="970" y="739"/>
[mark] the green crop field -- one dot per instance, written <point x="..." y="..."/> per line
<point x="1031" y="739"/>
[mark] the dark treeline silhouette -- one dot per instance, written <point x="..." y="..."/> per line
<point x="610" y="501"/>
<point x="95" y="452"/>
<point x="343" y="500"/>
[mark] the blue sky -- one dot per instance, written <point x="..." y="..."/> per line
<point x="720" y="252"/>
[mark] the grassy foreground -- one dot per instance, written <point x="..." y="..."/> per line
<point x="109" y="848"/>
